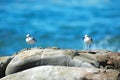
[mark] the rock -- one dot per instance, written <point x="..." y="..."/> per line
<point x="26" y="59"/>
<point x="110" y="59"/>
<point x="101" y="51"/>
<point x="86" y="57"/>
<point x="101" y="62"/>
<point x="35" y="57"/>
<point x="63" y="73"/>
<point x="3" y="64"/>
<point x="95" y="51"/>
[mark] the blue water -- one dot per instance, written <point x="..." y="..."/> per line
<point x="61" y="23"/>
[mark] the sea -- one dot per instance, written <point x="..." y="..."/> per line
<point x="59" y="23"/>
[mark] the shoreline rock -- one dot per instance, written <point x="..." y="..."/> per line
<point x="63" y="73"/>
<point x="28" y="59"/>
<point x="4" y="61"/>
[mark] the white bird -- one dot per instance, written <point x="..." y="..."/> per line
<point x="88" y="41"/>
<point x="30" y="40"/>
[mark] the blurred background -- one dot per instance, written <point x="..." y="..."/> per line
<point x="60" y="23"/>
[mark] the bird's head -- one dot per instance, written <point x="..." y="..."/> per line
<point x="86" y="36"/>
<point x="28" y="35"/>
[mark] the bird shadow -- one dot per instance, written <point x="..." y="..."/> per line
<point x="91" y="52"/>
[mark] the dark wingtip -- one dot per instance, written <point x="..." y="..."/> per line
<point x="91" y="39"/>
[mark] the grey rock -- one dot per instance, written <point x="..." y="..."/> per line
<point x="36" y="61"/>
<point x="63" y="73"/>
<point x="3" y="64"/>
<point x="87" y="58"/>
<point x="58" y="64"/>
<point x="35" y="57"/>
<point x="26" y="59"/>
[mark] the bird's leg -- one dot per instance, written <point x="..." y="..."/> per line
<point x="30" y="47"/>
<point x="85" y="46"/>
<point x="33" y="45"/>
<point x="88" y="47"/>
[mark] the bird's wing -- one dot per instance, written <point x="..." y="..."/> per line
<point x="91" y="39"/>
<point x="33" y="38"/>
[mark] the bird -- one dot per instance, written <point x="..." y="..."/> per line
<point x="88" y="41"/>
<point x="30" y="40"/>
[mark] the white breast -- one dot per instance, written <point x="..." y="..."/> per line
<point x="30" y="40"/>
<point x="88" y="40"/>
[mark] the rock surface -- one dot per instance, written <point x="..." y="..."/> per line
<point x="36" y="57"/>
<point x="50" y="61"/>
<point x="3" y="64"/>
<point x="63" y="73"/>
